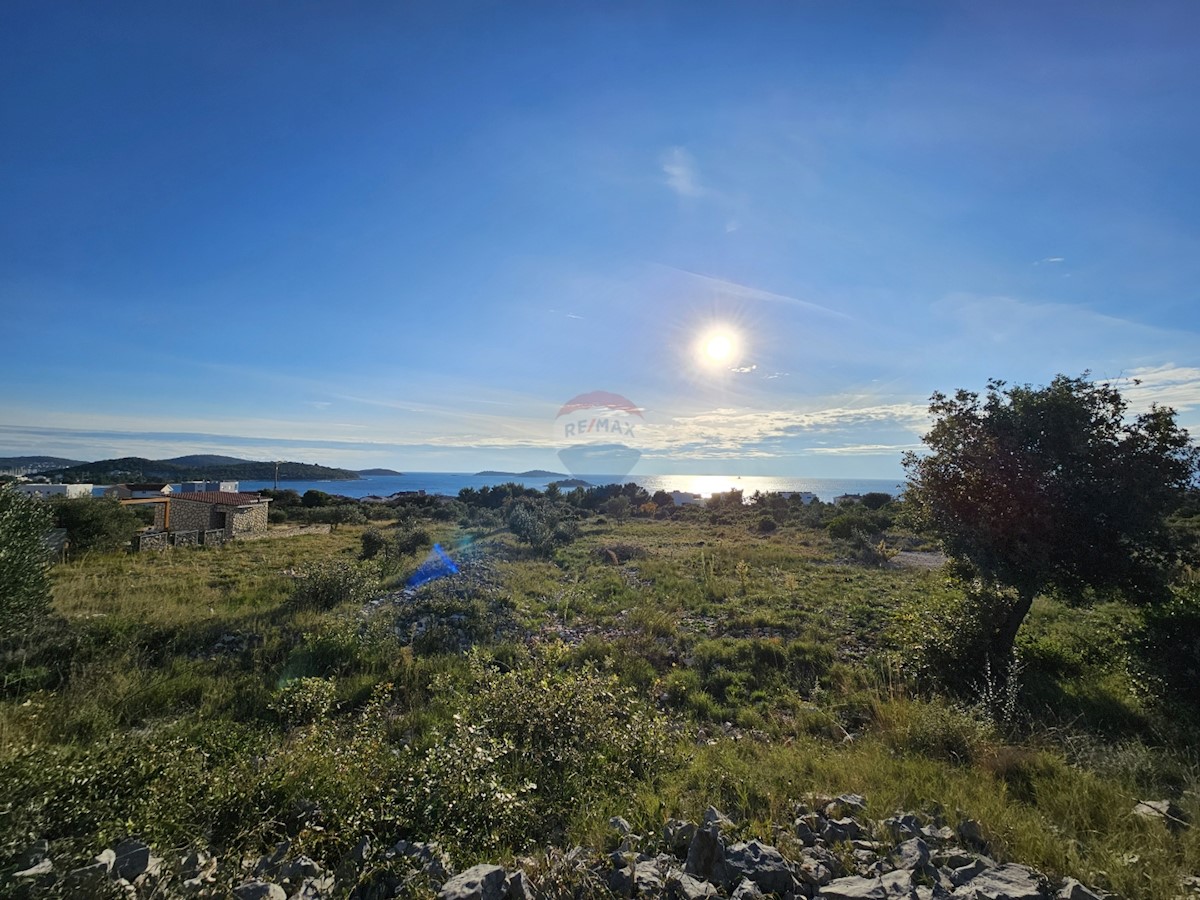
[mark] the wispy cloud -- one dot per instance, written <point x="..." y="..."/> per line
<point x="865" y="450"/>
<point x="1168" y="385"/>
<point x="682" y="174"/>
<point x="741" y="429"/>
<point x="725" y="287"/>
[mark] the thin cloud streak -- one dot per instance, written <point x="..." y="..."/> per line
<point x="746" y="292"/>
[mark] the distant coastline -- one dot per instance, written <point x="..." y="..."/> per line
<point x="450" y="483"/>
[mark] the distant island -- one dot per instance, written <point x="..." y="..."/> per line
<point x="571" y="483"/>
<point x="195" y="468"/>
<point x="533" y="473"/>
<point x="379" y="472"/>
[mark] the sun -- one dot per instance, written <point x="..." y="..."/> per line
<point x="718" y="347"/>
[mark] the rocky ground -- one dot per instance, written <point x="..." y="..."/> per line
<point x="830" y="851"/>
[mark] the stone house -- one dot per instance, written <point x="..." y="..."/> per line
<point x="235" y="514"/>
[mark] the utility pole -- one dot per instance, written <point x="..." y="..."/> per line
<point x="277" y="474"/>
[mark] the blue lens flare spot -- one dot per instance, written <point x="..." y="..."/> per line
<point x="437" y="564"/>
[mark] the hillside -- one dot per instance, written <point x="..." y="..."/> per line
<point x="35" y="463"/>
<point x="135" y="468"/>
<point x="208" y="459"/>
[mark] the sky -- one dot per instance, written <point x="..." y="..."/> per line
<point x="406" y="234"/>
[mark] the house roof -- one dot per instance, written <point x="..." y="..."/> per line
<point x="155" y="486"/>
<point x="221" y="498"/>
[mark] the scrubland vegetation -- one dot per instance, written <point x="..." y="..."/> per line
<point x="589" y="659"/>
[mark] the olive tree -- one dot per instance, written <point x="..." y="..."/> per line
<point x="1054" y="488"/>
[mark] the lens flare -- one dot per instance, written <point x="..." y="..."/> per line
<point x="718" y="347"/>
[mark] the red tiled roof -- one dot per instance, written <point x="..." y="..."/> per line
<point x="222" y="498"/>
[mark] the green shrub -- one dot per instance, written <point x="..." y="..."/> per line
<point x="529" y="749"/>
<point x="94" y="524"/>
<point x="304" y="700"/>
<point x="329" y="584"/>
<point x="1167" y="653"/>
<point x="373" y="543"/>
<point x="24" y="589"/>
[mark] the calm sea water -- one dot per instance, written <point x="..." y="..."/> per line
<point x="450" y="483"/>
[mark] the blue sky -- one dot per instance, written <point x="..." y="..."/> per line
<point x="404" y="235"/>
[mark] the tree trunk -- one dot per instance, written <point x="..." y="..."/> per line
<point x="1006" y="637"/>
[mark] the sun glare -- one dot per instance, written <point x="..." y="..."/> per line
<point x="718" y="347"/>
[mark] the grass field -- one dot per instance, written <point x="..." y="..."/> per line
<point x="216" y="699"/>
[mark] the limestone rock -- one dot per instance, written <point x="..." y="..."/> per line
<point x="681" y="886"/>
<point x="817" y="866"/>
<point x="911" y="854"/>
<point x="40" y="871"/>
<point x="763" y="865"/>
<point x="844" y="829"/>
<point x="131" y="859"/>
<point x="713" y="816"/>
<point x="647" y="879"/>
<point x="705" y="851"/>
<point x="840" y="805"/>
<point x="319" y="888"/>
<point x="746" y="890"/>
<point x="893" y="886"/>
<point x="1073" y="890"/>
<point x="678" y="835"/>
<point x="520" y="887"/>
<point x="482" y="882"/>
<point x="296" y="871"/>
<point x="1164" y="811"/>
<point x="620" y="825"/>
<point x="970" y="833"/>
<point x="259" y="890"/>
<point x="432" y="860"/>
<point x="974" y="868"/>
<point x="107" y="858"/>
<point x="1007" y="882"/>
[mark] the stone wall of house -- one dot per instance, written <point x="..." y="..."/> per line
<point x="151" y="540"/>
<point x="248" y="521"/>
<point x="187" y="515"/>
<point x="160" y="516"/>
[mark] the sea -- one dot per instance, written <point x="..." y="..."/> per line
<point x="450" y="483"/>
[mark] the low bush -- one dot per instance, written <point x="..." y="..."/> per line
<point x="328" y="584"/>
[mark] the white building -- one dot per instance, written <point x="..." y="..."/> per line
<point x="806" y="497"/>
<point x="683" y="498"/>
<point x="193" y="487"/>
<point x="55" y="490"/>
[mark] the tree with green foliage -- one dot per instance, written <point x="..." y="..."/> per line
<point x="24" y="588"/>
<point x="1053" y="488"/>
<point x="95" y="524"/>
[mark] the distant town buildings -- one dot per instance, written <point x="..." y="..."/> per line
<point x="55" y="490"/>
<point x="139" y="491"/>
